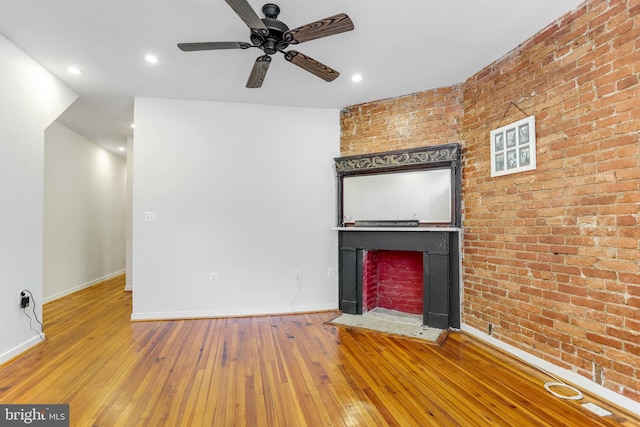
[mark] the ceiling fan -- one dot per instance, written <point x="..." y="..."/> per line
<point x="271" y="36"/>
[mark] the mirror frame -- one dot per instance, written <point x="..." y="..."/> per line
<point x="423" y="158"/>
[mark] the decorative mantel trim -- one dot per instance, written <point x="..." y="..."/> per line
<point x="414" y="157"/>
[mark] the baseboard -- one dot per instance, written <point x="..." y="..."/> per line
<point x="80" y="287"/>
<point x="16" y="351"/>
<point x="207" y="314"/>
<point x="310" y="308"/>
<point x="128" y="286"/>
<point x="565" y="374"/>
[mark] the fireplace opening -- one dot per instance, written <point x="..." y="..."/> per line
<point x="393" y="280"/>
<point x="427" y="259"/>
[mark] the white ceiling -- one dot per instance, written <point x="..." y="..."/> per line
<point x="399" y="47"/>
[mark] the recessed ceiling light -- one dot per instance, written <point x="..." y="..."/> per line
<point x="133" y="125"/>
<point x="356" y="78"/>
<point x="120" y="148"/>
<point x="74" y="70"/>
<point x="151" y="59"/>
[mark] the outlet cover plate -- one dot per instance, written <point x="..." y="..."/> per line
<point x="596" y="409"/>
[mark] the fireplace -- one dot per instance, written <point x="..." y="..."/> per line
<point x="437" y="248"/>
<point x="402" y="208"/>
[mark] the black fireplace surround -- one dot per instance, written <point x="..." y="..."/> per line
<point x="439" y="243"/>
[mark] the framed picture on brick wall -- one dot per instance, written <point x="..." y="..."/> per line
<point x="513" y="147"/>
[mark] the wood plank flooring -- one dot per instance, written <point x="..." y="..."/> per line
<point x="292" y="370"/>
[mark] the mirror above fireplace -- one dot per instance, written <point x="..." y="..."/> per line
<point x="419" y="186"/>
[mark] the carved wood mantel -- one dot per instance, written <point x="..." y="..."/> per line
<point x="398" y="160"/>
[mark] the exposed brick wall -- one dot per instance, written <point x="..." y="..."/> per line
<point x="551" y="256"/>
<point x="417" y="120"/>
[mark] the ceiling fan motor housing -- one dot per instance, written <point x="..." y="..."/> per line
<point x="274" y="40"/>
<point x="271" y="10"/>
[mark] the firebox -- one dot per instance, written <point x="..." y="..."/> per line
<point x="393" y="280"/>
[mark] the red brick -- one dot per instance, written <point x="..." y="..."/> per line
<point x="604" y="340"/>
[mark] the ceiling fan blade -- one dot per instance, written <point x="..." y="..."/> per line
<point x="189" y="47"/>
<point x="325" y="27"/>
<point x="259" y="71"/>
<point x="311" y="65"/>
<point x="244" y="10"/>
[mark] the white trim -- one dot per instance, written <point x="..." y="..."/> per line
<point x="5" y="357"/>
<point x="458" y="229"/>
<point x="208" y="314"/>
<point x="80" y="287"/>
<point x="565" y="374"/>
<point x="312" y="307"/>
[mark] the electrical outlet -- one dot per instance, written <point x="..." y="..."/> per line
<point x="149" y="217"/>
<point x="298" y="275"/>
<point x="213" y="277"/>
<point x="331" y="273"/>
<point x="24" y="300"/>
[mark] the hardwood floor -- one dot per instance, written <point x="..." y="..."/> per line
<point x="292" y="370"/>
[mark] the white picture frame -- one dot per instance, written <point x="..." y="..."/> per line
<point x="513" y="147"/>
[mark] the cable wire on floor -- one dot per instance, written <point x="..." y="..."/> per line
<point x="35" y="316"/>
<point x="559" y="383"/>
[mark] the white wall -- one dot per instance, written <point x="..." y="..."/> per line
<point x="129" y="207"/>
<point x="30" y="99"/>
<point x="84" y="212"/>
<point x="245" y="191"/>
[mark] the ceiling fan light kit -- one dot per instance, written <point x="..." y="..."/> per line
<point x="272" y="36"/>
